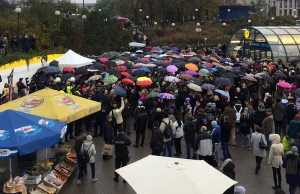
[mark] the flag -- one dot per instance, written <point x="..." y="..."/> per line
<point x="10" y="83"/>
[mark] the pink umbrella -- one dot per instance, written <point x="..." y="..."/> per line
<point x="190" y="72"/>
<point x="102" y="60"/>
<point x="172" y="69"/>
<point x="208" y="64"/>
<point x="284" y="84"/>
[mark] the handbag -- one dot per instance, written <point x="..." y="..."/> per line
<point x="262" y="145"/>
<point x="108" y="149"/>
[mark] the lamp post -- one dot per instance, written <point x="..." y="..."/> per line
<point x="84" y="18"/>
<point x="295" y="18"/>
<point x="205" y="39"/>
<point x="140" y="10"/>
<point x="173" y="26"/>
<point x="57" y="13"/>
<point x="272" y="18"/>
<point x="261" y="11"/>
<point x="228" y="11"/>
<point x="147" y="20"/>
<point x="196" y="14"/>
<point x="18" y="11"/>
<point x="249" y="21"/>
<point x="155" y="23"/>
<point x="59" y="4"/>
<point x="224" y="24"/>
<point x="198" y="30"/>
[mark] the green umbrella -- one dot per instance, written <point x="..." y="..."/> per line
<point x="152" y="95"/>
<point x="111" y="55"/>
<point x="110" y="79"/>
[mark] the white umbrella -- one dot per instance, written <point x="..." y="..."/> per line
<point x="136" y="44"/>
<point x="171" y="79"/>
<point x="161" y="175"/>
<point x="194" y="87"/>
<point x="149" y="65"/>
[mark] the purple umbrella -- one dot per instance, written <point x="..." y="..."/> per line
<point x="172" y="69"/>
<point x="174" y="49"/>
<point x="191" y="72"/>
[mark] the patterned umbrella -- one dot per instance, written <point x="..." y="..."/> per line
<point x="172" y="69"/>
<point x="120" y="91"/>
<point x="166" y="96"/>
<point x="94" y="77"/>
<point x="110" y="79"/>
<point x="208" y="87"/>
<point x="171" y="79"/>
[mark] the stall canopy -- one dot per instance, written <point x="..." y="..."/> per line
<point x="54" y="105"/>
<point x="72" y="59"/>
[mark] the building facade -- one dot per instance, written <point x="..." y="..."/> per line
<point x="284" y="7"/>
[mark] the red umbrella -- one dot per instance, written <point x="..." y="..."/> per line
<point x="144" y="83"/>
<point x="144" y="59"/>
<point x="69" y="69"/>
<point x="125" y="74"/>
<point x="120" y="68"/>
<point x="128" y="81"/>
<point x="102" y="60"/>
<point x="208" y="64"/>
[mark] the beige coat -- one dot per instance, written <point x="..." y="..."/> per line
<point x="118" y="113"/>
<point x="276" y="151"/>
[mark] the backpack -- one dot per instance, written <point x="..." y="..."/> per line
<point x="292" y="167"/>
<point x="238" y="114"/>
<point x="168" y="132"/>
<point x="85" y="157"/>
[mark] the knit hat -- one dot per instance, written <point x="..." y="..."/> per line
<point x="89" y="138"/>
<point x="214" y="124"/>
<point x="239" y="190"/>
<point x="294" y="149"/>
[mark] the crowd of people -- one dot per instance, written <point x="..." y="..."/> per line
<point x="251" y="110"/>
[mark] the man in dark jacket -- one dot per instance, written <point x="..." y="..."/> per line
<point x="225" y="137"/>
<point x="268" y="125"/>
<point x="121" y="143"/>
<point x="189" y="129"/>
<point x="108" y="131"/>
<point x="20" y="86"/>
<point x="231" y="114"/>
<point x="127" y="113"/>
<point x="140" y="126"/>
<point x="157" y="140"/>
<point x="278" y="115"/>
<point x="290" y="111"/>
<point x="101" y="115"/>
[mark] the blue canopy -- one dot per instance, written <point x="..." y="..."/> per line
<point x="25" y="133"/>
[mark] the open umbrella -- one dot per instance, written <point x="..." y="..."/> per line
<point x="103" y="59"/>
<point x="142" y="176"/>
<point x="172" y="69"/>
<point x="111" y="55"/>
<point x="120" y="68"/>
<point x="110" y="79"/>
<point x="194" y="87"/>
<point x="203" y="72"/>
<point x="171" y="79"/>
<point x="190" y="72"/>
<point x="108" y="64"/>
<point x="280" y="75"/>
<point x="166" y="96"/>
<point x="120" y="91"/>
<point x="145" y="69"/>
<point x="284" y="84"/>
<point x="99" y="67"/>
<point x="80" y="70"/>
<point x="144" y="83"/>
<point x="139" y="73"/>
<point x="131" y="78"/>
<point x="208" y="87"/>
<point x="67" y="76"/>
<point x="191" y="66"/>
<point x="92" y="69"/>
<point x="267" y="78"/>
<point x="128" y="81"/>
<point x="143" y="79"/>
<point x="125" y="74"/>
<point x="221" y="69"/>
<point x="185" y="76"/>
<point x="49" y="69"/>
<point x="223" y="82"/>
<point x="195" y="81"/>
<point x="69" y="69"/>
<point x="249" y="78"/>
<point x="149" y="65"/>
<point x="194" y="60"/>
<point x="152" y="95"/>
<point x="94" y="77"/>
<point x="229" y="75"/>
<point x="223" y="93"/>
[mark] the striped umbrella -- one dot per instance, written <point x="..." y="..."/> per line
<point x="166" y="96"/>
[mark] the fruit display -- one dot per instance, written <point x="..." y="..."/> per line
<point x="53" y="181"/>
<point x="58" y="175"/>
<point x="63" y="171"/>
<point x="72" y="156"/>
<point x="66" y="149"/>
<point x="42" y="167"/>
<point x="47" y="189"/>
<point x="70" y="166"/>
<point x="36" y="190"/>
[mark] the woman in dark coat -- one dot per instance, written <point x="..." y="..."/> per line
<point x="228" y="170"/>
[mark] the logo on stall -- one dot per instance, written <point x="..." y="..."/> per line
<point x="247" y="34"/>
<point x="46" y="122"/>
<point x="32" y="102"/>
<point x="63" y="132"/>
<point x="7" y="152"/>
<point x="28" y="131"/>
<point x="66" y="101"/>
<point x="4" y="135"/>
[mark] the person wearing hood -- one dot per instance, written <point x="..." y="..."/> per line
<point x="89" y="147"/>
<point x="292" y="165"/>
<point x="278" y="115"/>
<point x="259" y="153"/>
<point x="294" y="128"/>
<point x="260" y="114"/>
<point x="231" y="114"/>
<point x="216" y="134"/>
<point x="268" y="126"/>
<point x="275" y="159"/>
<point x="189" y="129"/>
<point x="227" y="169"/>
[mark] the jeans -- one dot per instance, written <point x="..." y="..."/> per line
<point x="246" y="140"/>
<point x="82" y="170"/>
<point x="93" y="169"/>
<point x="226" y="152"/>
<point x="258" y="162"/>
<point x="167" y="145"/>
<point x="217" y="147"/>
<point x="277" y="174"/>
<point x="268" y="141"/>
<point x="126" y="124"/>
<point x="120" y="160"/>
<point x="189" y="145"/>
<point x="292" y="189"/>
<point x="177" y="143"/>
<point x="278" y="126"/>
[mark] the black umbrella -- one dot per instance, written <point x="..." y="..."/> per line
<point x="296" y="78"/>
<point x="99" y="67"/>
<point x="129" y="65"/>
<point x="171" y="88"/>
<point x="80" y="70"/>
<point x="43" y="78"/>
<point x="222" y="81"/>
<point x="110" y="64"/>
<point x="112" y="72"/>
<point x="131" y="78"/>
<point x="221" y="69"/>
<point x="159" y="62"/>
<point x="280" y="75"/>
<point x="246" y="68"/>
<point x="195" y="81"/>
<point x="139" y="73"/>
<point x="67" y="76"/>
<point x="194" y="60"/>
<point x="229" y="75"/>
<point x="133" y="58"/>
<point x="161" y="70"/>
<point x="54" y="63"/>
<point x="139" y="61"/>
<point x="124" y="58"/>
<point x="267" y="78"/>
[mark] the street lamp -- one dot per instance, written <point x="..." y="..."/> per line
<point x="173" y="26"/>
<point x="272" y="18"/>
<point x="224" y="24"/>
<point x="147" y="18"/>
<point x="249" y="21"/>
<point x="155" y="23"/>
<point x="18" y="11"/>
<point x="228" y="10"/>
<point x="196" y="14"/>
<point x="57" y="13"/>
<point x="205" y="39"/>
<point x="198" y="30"/>
<point x="295" y="16"/>
<point x="261" y="11"/>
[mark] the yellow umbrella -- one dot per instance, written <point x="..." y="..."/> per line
<point x="54" y="105"/>
<point x="140" y="79"/>
<point x="191" y="66"/>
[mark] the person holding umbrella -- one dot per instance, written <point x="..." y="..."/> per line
<point x="116" y="114"/>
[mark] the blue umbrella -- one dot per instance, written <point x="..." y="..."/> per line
<point x="214" y="69"/>
<point x="174" y="49"/>
<point x="25" y="133"/>
<point x="145" y="69"/>
<point x="154" y="56"/>
<point x="224" y="60"/>
<point x="223" y="93"/>
<point x="120" y="91"/>
<point x="49" y="69"/>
